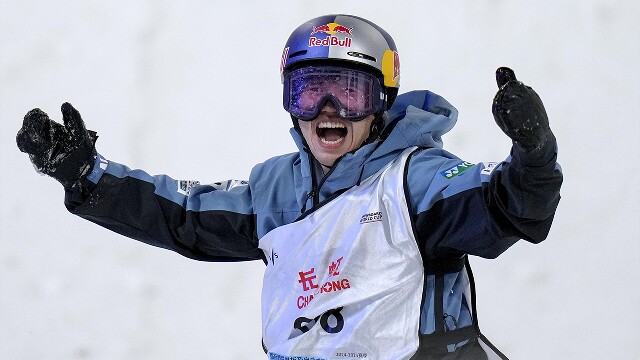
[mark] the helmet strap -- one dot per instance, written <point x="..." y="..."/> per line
<point x="376" y="128"/>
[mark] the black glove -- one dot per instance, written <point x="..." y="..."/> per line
<point x="519" y="112"/>
<point x="66" y="153"/>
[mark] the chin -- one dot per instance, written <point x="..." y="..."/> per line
<point x="327" y="161"/>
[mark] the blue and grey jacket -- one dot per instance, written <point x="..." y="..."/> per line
<point x="457" y="208"/>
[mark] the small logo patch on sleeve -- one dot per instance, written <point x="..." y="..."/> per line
<point x="229" y="184"/>
<point x="456" y="169"/>
<point x="488" y="168"/>
<point x="185" y="186"/>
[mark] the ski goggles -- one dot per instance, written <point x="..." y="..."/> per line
<point x="355" y="94"/>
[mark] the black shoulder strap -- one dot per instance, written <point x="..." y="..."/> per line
<point x="434" y="346"/>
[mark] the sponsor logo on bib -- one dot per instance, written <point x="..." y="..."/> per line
<point x="371" y="217"/>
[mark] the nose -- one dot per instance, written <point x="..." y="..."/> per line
<point x="328" y="108"/>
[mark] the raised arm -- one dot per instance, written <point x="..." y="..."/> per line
<point x="210" y="223"/>
<point x="483" y="209"/>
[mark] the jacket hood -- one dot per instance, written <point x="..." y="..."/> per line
<point x="417" y="118"/>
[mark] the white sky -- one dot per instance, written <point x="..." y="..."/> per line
<point x="192" y="89"/>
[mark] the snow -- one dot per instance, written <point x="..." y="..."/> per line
<point x="192" y="89"/>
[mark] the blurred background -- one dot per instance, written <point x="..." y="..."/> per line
<point x="192" y="89"/>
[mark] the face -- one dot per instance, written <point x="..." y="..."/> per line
<point x="329" y="136"/>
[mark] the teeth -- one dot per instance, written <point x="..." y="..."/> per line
<point x="331" y="125"/>
<point x="330" y="142"/>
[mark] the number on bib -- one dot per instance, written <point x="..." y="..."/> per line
<point x="305" y="324"/>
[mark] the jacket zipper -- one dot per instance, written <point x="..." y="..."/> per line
<point x="314" y="195"/>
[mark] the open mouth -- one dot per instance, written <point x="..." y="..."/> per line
<point x="331" y="132"/>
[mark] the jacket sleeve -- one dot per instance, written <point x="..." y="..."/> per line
<point x="209" y="223"/>
<point x="482" y="209"/>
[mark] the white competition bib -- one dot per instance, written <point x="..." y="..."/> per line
<point x="346" y="281"/>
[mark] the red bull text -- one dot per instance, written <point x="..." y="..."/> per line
<point x="329" y="41"/>
<point x="331" y="29"/>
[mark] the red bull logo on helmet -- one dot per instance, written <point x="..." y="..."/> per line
<point x="396" y="65"/>
<point x="391" y="68"/>
<point x="331" y="29"/>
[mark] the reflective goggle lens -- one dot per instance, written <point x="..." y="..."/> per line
<point x="355" y="94"/>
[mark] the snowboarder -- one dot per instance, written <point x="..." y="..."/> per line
<point x="365" y="231"/>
